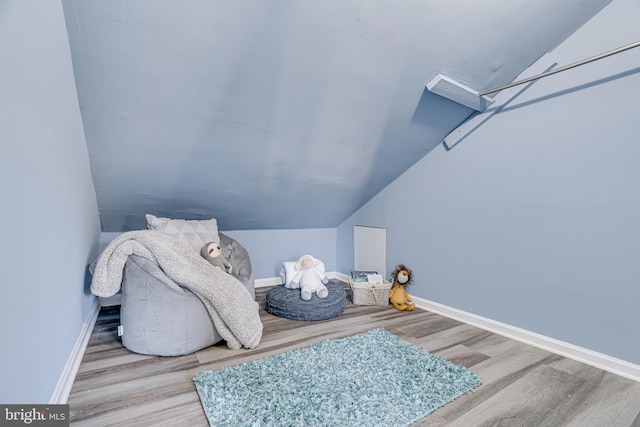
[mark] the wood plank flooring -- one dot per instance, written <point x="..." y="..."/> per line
<point x="523" y="385"/>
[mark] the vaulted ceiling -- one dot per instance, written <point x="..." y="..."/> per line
<point x="283" y="114"/>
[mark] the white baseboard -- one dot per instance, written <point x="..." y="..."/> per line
<point x="338" y="276"/>
<point x="275" y="281"/>
<point x="65" y="382"/>
<point x="601" y="361"/>
<point x="269" y="281"/>
<point x="580" y="354"/>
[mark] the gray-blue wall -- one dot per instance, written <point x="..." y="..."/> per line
<point x="270" y="248"/>
<point x="48" y="211"/>
<point x="534" y="219"/>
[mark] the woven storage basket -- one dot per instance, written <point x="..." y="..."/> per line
<point x="364" y="293"/>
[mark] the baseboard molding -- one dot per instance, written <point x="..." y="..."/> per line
<point x="267" y="282"/>
<point x="601" y="361"/>
<point x="580" y="354"/>
<point x="275" y="281"/>
<point x="65" y="382"/>
<point x="67" y="377"/>
<point x="338" y="276"/>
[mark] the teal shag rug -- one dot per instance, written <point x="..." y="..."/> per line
<point x="370" y="379"/>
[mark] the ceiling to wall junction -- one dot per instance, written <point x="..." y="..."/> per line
<point x="287" y="114"/>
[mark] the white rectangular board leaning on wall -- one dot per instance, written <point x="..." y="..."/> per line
<point x="370" y="249"/>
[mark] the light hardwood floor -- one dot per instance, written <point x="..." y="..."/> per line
<point x="522" y="385"/>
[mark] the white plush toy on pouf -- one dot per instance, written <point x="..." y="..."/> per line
<point x="309" y="279"/>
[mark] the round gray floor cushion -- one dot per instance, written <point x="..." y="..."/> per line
<point x="287" y="303"/>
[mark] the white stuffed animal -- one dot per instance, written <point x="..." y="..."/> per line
<point x="211" y="252"/>
<point x="309" y="279"/>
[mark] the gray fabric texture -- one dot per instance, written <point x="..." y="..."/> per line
<point x="232" y="308"/>
<point x="159" y="317"/>
<point x="239" y="259"/>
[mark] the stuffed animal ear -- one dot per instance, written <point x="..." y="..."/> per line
<point x="205" y="250"/>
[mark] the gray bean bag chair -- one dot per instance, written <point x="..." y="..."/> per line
<point x="161" y="318"/>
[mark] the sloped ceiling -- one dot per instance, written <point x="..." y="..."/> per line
<point x="288" y="113"/>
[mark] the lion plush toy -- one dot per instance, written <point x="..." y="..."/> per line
<point x="211" y="252"/>
<point x="309" y="278"/>
<point x="400" y="299"/>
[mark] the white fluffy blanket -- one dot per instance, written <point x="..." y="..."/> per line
<point x="234" y="312"/>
